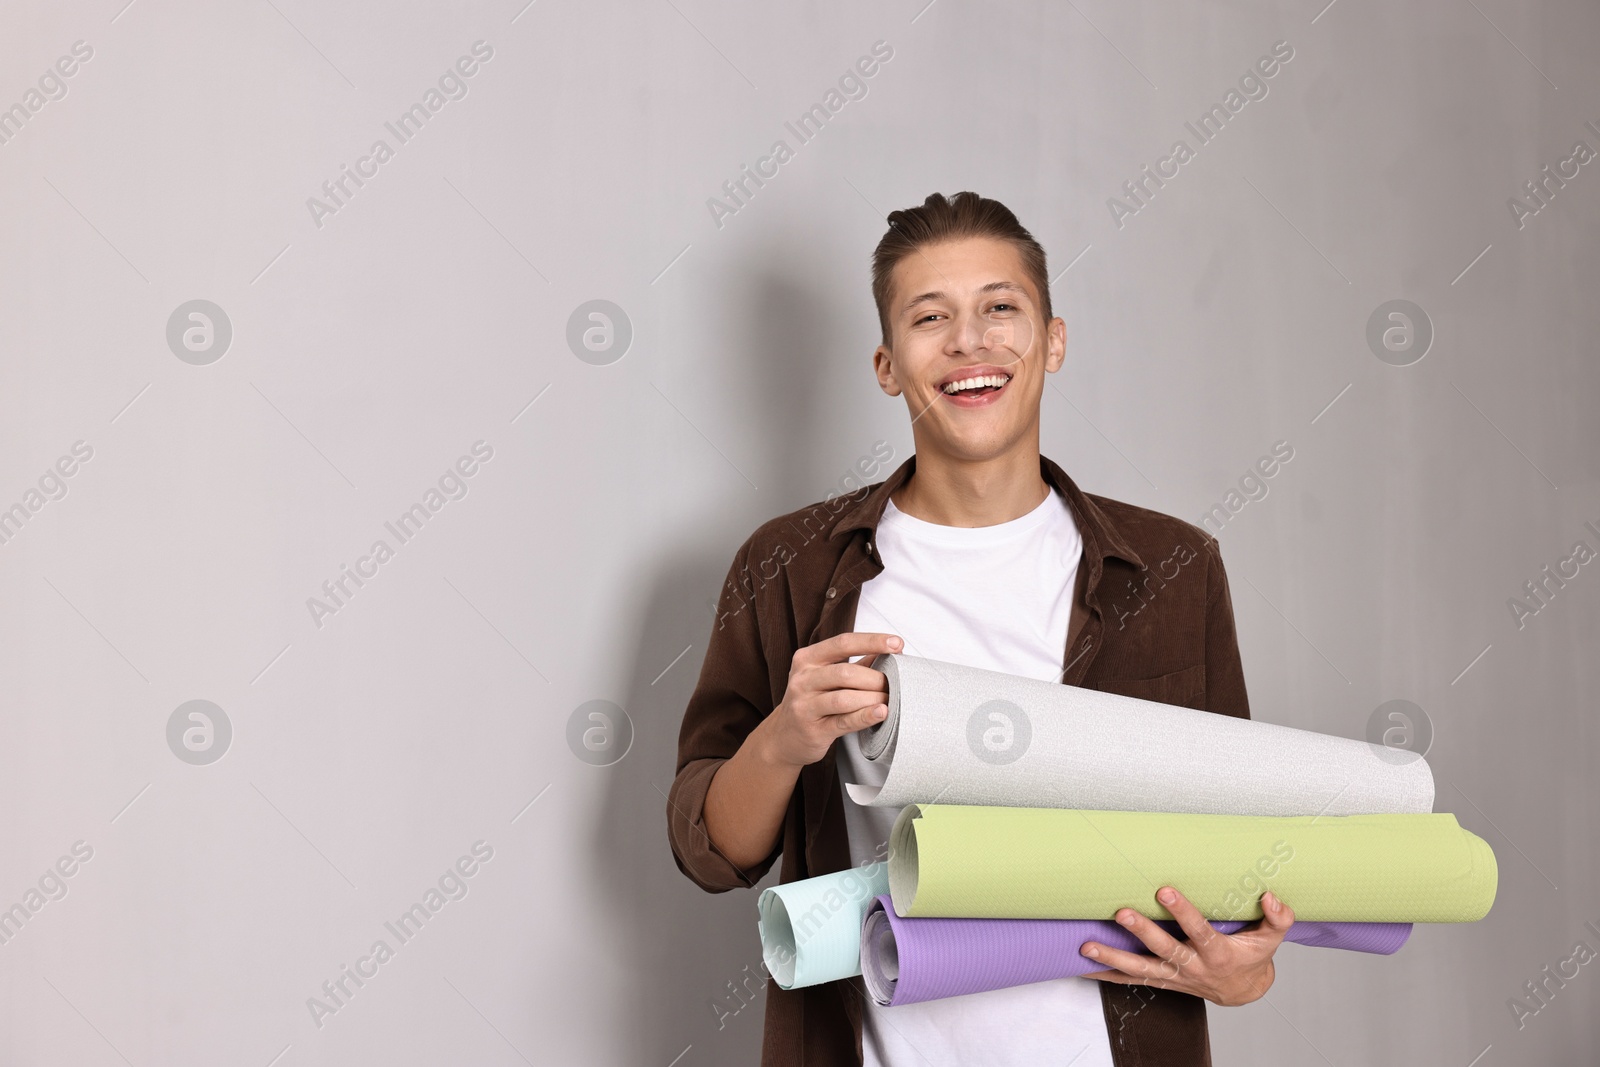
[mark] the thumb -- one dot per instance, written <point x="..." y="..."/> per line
<point x="1278" y="915"/>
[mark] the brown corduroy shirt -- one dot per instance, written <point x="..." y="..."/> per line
<point x="1151" y="618"/>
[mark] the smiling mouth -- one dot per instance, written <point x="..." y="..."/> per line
<point x="980" y="385"/>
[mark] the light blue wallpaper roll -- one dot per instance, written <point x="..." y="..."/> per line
<point x="811" y="929"/>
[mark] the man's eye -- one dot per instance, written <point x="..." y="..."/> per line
<point x="925" y="318"/>
<point x="1006" y="307"/>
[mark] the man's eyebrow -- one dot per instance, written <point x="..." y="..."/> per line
<point x="992" y="287"/>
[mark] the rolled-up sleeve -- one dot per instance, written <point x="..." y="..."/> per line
<point x="1225" y="689"/>
<point x="731" y="698"/>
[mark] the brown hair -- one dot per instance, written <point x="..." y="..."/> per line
<point x="942" y="219"/>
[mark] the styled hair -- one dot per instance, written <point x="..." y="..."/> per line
<point x="941" y="219"/>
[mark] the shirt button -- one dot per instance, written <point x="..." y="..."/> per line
<point x="831" y="592"/>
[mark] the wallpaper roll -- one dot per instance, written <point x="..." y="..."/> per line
<point x="811" y="929"/>
<point x="1059" y="863"/>
<point x="960" y="735"/>
<point x="905" y="961"/>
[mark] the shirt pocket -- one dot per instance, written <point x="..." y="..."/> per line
<point x="1185" y="688"/>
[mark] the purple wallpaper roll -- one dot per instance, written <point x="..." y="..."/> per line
<point x="905" y="961"/>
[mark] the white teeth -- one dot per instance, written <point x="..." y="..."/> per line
<point x="995" y="380"/>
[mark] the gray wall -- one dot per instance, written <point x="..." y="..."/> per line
<point x="373" y="345"/>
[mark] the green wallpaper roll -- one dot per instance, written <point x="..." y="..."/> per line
<point x="1051" y="863"/>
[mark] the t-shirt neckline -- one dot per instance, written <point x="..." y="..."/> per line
<point x="922" y="529"/>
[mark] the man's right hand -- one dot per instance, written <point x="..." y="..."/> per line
<point x="827" y="696"/>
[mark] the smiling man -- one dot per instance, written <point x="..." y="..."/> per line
<point x="977" y="550"/>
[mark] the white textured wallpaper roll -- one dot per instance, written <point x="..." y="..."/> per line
<point x="960" y="735"/>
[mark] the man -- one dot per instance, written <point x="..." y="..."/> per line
<point x="977" y="550"/>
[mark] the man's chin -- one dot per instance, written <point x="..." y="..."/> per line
<point x="970" y="448"/>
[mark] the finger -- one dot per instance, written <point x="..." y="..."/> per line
<point x="1201" y="934"/>
<point x="1120" y="978"/>
<point x="1268" y="932"/>
<point x="846" y="676"/>
<point x="858" y="720"/>
<point x="1155" y="938"/>
<point x="843" y="702"/>
<point x="1132" y="968"/>
<point x="1277" y="917"/>
<point x="841" y="647"/>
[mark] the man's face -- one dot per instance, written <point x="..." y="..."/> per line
<point x="969" y="348"/>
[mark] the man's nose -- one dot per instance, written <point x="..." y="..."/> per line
<point x="974" y="333"/>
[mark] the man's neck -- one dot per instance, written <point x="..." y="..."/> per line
<point x="962" y="493"/>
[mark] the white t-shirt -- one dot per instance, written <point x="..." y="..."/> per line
<point x="999" y="598"/>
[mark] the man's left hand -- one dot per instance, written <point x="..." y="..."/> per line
<point x="1226" y="969"/>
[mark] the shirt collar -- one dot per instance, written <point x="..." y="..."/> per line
<point x="1094" y="525"/>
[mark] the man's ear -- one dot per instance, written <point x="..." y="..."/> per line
<point x="883" y="366"/>
<point x="1055" y="332"/>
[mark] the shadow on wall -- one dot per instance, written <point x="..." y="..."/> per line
<point x="682" y="947"/>
<point x="785" y="356"/>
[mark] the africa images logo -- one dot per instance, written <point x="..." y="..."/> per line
<point x="999" y="732"/>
